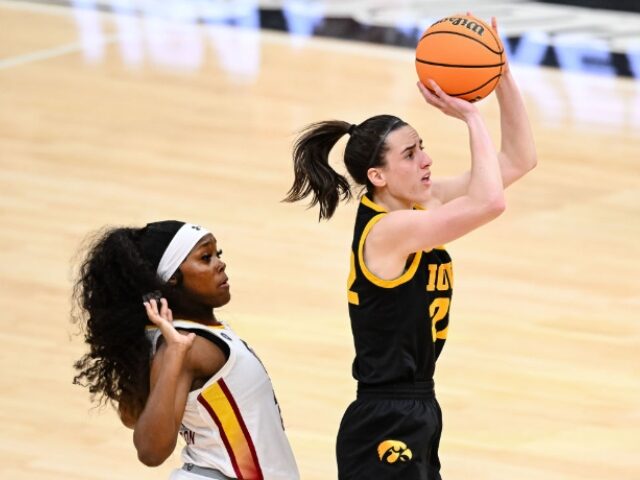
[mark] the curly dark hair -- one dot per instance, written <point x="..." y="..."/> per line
<point x="107" y="304"/>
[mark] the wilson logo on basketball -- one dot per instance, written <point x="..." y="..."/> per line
<point x="463" y="55"/>
<point x="470" y="24"/>
<point x="392" y="451"/>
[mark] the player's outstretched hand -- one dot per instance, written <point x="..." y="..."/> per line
<point x="494" y="25"/>
<point x="163" y="319"/>
<point x="452" y="106"/>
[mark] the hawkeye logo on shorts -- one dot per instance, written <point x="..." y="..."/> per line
<point x="392" y="451"/>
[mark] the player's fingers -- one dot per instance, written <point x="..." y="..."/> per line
<point x="494" y="24"/>
<point x="169" y="315"/>
<point x="428" y="95"/>
<point x="151" y="314"/>
<point x="164" y="306"/>
<point x="424" y="91"/>
<point x="437" y="90"/>
<point x="421" y="86"/>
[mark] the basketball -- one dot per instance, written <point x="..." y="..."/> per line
<point x="463" y="55"/>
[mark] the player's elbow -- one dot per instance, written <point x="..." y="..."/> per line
<point x="153" y="453"/>
<point x="495" y="206"/>
<point x="532" y="162"/>
<point x="152" y="457"/>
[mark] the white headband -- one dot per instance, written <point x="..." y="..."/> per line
<point x="181" y="244"/>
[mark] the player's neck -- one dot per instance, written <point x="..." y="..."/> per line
<point x="391" y="203"/>
<point x="203" y="315"/>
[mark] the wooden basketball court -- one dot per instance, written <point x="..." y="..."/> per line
<point x="540" y="378"/>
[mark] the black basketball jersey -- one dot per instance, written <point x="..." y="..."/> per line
<point x="399" y="326"/>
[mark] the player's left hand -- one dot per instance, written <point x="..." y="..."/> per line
<point x="494" y="26"/>
<point x="163" y="318"/>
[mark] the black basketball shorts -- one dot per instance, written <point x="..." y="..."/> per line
<point x="384" y="438"/>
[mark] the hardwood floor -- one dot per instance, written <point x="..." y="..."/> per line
<point x="122" y="125"/>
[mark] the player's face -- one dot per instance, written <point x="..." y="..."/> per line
<point x="203" y="274"/>
<point x="407" y="172"/>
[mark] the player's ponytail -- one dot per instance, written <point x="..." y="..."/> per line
<point x="313" y="174"/>
<point x="365" y="149"/>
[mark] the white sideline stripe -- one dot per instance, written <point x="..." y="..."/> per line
<point x="39" y="55"/>
<point x="47" y="54"/>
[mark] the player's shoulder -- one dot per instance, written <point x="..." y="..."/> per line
<point x="206" y="357"/>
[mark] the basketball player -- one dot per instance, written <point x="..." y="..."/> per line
<point x="401" y="279"/>
<point x="191" y="377"/>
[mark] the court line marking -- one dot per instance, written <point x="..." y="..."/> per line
<point x="47" y="53"/>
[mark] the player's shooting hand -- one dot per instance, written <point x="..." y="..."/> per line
<point x="452" y="106"/>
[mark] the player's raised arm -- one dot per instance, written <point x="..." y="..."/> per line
<point x="517" y="153"/>
<point x="404" y="231"/>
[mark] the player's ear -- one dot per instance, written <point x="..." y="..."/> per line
<point x="176" y="279"/>
<point x="376" y="177"/>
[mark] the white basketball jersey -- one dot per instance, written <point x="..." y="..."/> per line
<point x="233" y="423"/>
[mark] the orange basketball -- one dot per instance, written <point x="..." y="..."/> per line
<point x="463" y="55"/>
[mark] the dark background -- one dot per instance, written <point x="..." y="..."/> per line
<point x="624" y="5"/>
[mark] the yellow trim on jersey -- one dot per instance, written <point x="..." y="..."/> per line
<point x="352" y="296"/>
<point x="405" y="277"/>
<point x="372" y="205"/>
<point x="222" y="406"/>
<point x="197" y="324"/>
<point x="221" y="326"/>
